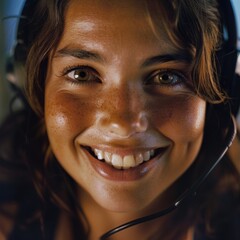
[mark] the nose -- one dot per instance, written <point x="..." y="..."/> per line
<point x="124" y="113"/>
<point x="126" y="125"/>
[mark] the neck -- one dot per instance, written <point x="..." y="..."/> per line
<point x="101" y="220"/>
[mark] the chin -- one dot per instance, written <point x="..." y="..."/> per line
<point x="122" y="199"/>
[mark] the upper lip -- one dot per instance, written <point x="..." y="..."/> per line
<point x="138" y="143"/>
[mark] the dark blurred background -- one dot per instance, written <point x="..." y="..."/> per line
<point x="9" y="12"/>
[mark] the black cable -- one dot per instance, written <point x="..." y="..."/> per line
<point x="188" y="193"/>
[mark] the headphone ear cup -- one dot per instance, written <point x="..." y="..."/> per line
<point x="227" y="55"/>
<point x="229" y="81"/>
<point x="24" y="32"/>
<point x="236" y="95"/>
<point x="20" y="52"/>
<point x="15" y="68"/>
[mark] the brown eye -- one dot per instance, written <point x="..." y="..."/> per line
<point x="166" y="78"/>
<point x="83" y="75"/>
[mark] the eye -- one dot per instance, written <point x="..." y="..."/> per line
<point x="167" y="78"/>
<point x="82" y="74"/>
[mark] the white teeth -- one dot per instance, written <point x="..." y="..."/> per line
<point x="124" y="162"/>
<point x="99" y="154"/>
<point x="128" y="161"/>
<point x="117" y="161"/>
<point x="139" y="158"/>
<point x="107" y="157"/>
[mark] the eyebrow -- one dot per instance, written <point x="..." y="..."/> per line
<point x="79" y="53"/>
<point x="84" y="54"/>
<point x="177" y="57"/>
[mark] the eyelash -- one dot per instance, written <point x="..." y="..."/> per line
<point x="182" y="77"/>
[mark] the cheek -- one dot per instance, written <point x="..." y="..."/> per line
<point x="181" y="118"/>
<point x="66" y="116"/>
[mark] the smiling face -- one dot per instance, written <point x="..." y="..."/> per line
<point x="121" y="115"/>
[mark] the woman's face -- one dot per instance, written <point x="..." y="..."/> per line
<point x="120" y="112"/>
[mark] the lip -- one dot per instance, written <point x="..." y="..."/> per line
<point x="132" y="174"/>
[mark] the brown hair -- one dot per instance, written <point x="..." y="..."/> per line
<point x="192" y="26"/>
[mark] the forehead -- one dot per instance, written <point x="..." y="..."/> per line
<point x="123" y="20"/>
<point x="107" y="7"/>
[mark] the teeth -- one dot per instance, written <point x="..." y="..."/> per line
<point x="146" y="156"/>
<point x="128" y="161"/>
<point x="139" y="158"/>
<point x="117" y="161"/>
<point x="123" y="162"/>
<point x="107" y="157"/>
<point x="99" y="154"/>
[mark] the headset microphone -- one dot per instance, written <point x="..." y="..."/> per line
<point x="190" y="192"/>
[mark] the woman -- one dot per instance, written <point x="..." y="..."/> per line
<point x="127" y="106"/>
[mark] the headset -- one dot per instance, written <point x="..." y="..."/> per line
<point x="227" y="58"/>
<point x="228" y="54"/>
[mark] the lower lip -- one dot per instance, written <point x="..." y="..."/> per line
<point x="109" y="172"/>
